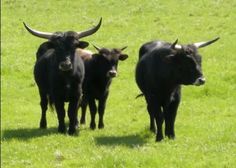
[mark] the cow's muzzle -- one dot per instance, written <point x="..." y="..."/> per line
<point x="65" y="65"/>
<point x="200" y="81"/>
<point x="112" y="73"/>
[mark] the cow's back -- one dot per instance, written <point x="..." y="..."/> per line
<point x="150" y="46"/>
<point x="84" y="54"/>
<point x="145" y="69"/>
<point x="152" y="71"/>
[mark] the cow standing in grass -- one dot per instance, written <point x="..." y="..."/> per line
<point x="161" y="70"/>
<point x="99" y="71"/>
<point x="59" y="73"/>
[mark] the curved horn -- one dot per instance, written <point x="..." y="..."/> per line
<point x="90" y="31"/>
<point x="175" y="45"/>
<point x="37" y="33"/>
<point x="96" y="47"/>
<point x="123" y="48"/>
<point x="204" y="44"/>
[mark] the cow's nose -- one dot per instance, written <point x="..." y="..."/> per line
<point x="112" y="73"/>
<point x="200" y="81"/>
<point x="65" y="65"/>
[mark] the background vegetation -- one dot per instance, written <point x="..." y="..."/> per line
<point x="206" y="120"/>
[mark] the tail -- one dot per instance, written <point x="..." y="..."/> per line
<point x="51" y="103"/>
<point x="139" y="95"/>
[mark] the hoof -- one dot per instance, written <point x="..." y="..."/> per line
<point x="100" y="126"/>
<point x="153" y="130"/>
<point x="76" y="124"/>
<point x="82" y="122"/>
<point x="62" y="129"/>
<point x="171" y="137"/>
<point x="71" y="131"/>
<point x="43" y="125"/>
<point x="159" y="138"/>
<point x="92" y="126"/>
<point x="170" y="134"/>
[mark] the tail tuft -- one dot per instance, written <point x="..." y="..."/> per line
<point x="51" y="103"/>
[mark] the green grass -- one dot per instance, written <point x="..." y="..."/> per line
<point x="206" y="120"/>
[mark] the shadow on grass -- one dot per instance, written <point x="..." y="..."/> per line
<point x="131" y="141"/>
<point x="26" y="133"/>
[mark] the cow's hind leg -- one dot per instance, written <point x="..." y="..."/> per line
<point x="170" y="114"/>
<point x="159" y="121"/>
<point x="59" y="105"/>
<point x="101" y="109"/>
<point x="44" y="106"/>
<point x="155" y="109"/>
<point x="152" y="122"/>
<point x="93" y="111"/>
<point x="152" y="118"/>
<point x="72" y="114"/>
<point x="83" y="109"/>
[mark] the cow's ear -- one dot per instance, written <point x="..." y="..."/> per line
<point x="123" y="57"/>
<point x="95" y="55"/>
<point x="83" y="44"/>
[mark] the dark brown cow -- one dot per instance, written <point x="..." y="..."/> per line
<point x="99" y="71"/>
<point x="161" y="70"/>
<point x="59" y="73"/>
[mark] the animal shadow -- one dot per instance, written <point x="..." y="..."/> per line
<point x="131" y="141"/>
<point x="26" y="133"/>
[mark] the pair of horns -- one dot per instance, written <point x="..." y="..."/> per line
<point x="98" y="48"/>
<point x="47" y="35"/>
<point x="197" y="45"/>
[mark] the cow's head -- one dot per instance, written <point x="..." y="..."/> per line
<point x="107" y="60"/>
<point x="65" y="43"/>
<point x="187" y="62"/>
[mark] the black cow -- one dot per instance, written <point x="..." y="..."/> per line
<point x="99" y="71"/>
<point x="161" y="70"/>
<point x="59" y="74"/>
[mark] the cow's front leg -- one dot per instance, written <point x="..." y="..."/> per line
<point x="93" y="111"/>
<point x="43" y="104"/>
<point x="170" y="112"/>
<point x="101" y="110"/>
<point x="83" y="109"/>
<point x="72" y="114"/>
<point x="59" y="105"/>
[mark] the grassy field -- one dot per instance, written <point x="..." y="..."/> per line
<point x="206" y="120"/>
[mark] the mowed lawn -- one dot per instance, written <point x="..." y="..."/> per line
<point x="206" y="120"/>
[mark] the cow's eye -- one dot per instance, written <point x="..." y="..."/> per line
<point x="189" y="51"/>
<point x="76" y="43"/>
